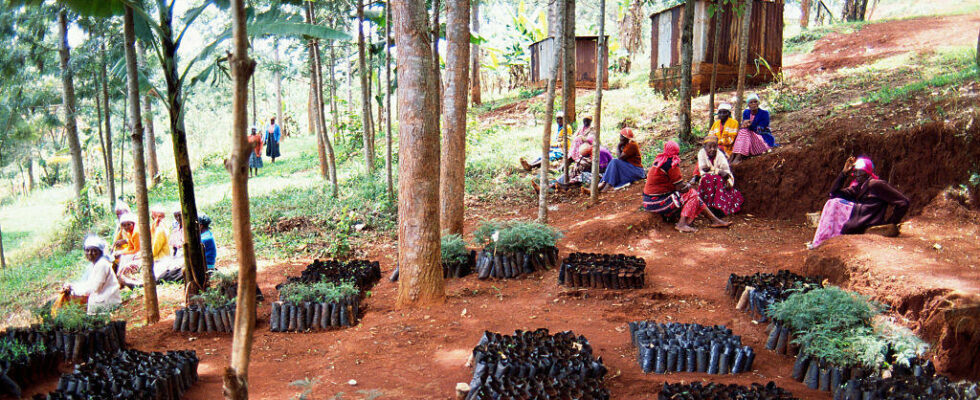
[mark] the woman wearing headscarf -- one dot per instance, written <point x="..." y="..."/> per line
<point x="126" y="250"/>
<point x="667" y="194"/>
<point x="585" y="135"/>
<point x="272" y="136"/>
<point x="725" y="127"/>
<point x="716" y="182"/>
<point x="255" y="157"/>
<point x="99" y="284"/>
<point x="581" y="171"/>
<point x="563" y="138"/>
<point x="627" y="167"/>
<point x="749" y="141"/>
<point x="862" y="205"/>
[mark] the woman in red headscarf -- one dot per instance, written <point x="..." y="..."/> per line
<point x="666" y="193"/>
<point x="862" y="206"/>
<point x="627" y="167"/>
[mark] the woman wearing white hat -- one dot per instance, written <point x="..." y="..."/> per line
<point x="99" y="284"/>
<point x="749" y="142"/>
<point x="725" y="127"/>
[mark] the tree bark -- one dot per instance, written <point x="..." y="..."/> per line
<point x="365" y="88"/>
<point x="419" y="255"/>
<point x="153" y="167"/>
<point x="3" y="256"/>
<point x="714" y="61"/>
<point x="277" y="81"/>
<point x="242" y="67"/>
<point x="314" y="104"/>
<point x="436" y="68"/>
<point x="122" y="150"/>
<point x="30" y="174"/>
<point x="453" y="165"/>
<point x="322" y="122"/>
<point x="333" y="93"/>
<point x="600" y="72"/>
<point x="195" y="271"/>
<point x="388" y="165"/>
<point x="475" y="94"/>
<point x="743" y="57"/>
<point x="68" y="98"/>
<point x="978" y="50"/>
<point x="805" y="13"/>
<point x="549" y="116"/>
<point x="687" y="56"/>
<point x="568" y="78"/>
<point x="139" y="171"/>
<point x="110" y="172"/>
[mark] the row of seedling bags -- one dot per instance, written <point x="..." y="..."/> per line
<point x="536" y="365"/>
<point x="326" y="295"/>
<point x="204" y="318"/>
<point x="129" y="375"/>
<point x="508" y="265"/>
<point x="608" y="271"/>
<point x="677" y="347"/>
<point x="28" y="354"/>
<point x="755" y="293"/>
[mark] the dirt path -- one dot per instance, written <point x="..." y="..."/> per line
<point x="880" y="40"/>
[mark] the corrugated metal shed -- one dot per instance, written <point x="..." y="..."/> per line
<point x="765" y="42"/>
<point x="542" y="55"/>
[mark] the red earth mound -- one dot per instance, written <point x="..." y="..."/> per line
<point x="921" y="162"/>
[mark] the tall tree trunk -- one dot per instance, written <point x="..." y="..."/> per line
<point x="110" y="173"/>
<point x="419" y="255"/>
<point x="322" y="121"/>
<point x="453" y="164"/>
<point x="743" y="57"/>
<point x="105" y="154"/>
<point x="436" y="68"/>
<point x="716" y="47"/>
<point x="254" y="112"/>
<point x="317" y="71"/>
<point x="242" y="67"/>
<point x="153" y="167"/>
<point x="365" y="88"/>
<point x="139" y="171"/>
<point x="687" y="56"/>
<point x="568" y="79"/>
<point x="30" y="174"/>
<point x="549" y="115"/>
<point x="475" y="56"/>
<point x="568" y="76"/>
<point x="978" y="50"/>
<point x="122" y="150"/>
<point x="350" y="84"/>
<point x="68" y="98"/>
<point x="195" y="271"/>
<point x="333" y="93"/>
<point x="277" y="81"/>
<point x="314" y="105"/>
<point x="805" y="13"/>
<point x="600" y="72"/>
<point x="389" y="180"/>
<point x="3" y="256"/>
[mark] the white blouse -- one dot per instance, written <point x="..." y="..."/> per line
<point x="100" y="285"/>
<point x="716" y="166"/>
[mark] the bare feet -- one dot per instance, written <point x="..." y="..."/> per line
<point x="721" y="224"/>
<point x="537" y="188"/>
<point x="525" y="165"/>
<point x="685" y="228"/>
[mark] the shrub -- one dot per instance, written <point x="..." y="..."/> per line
<point x="454" y="249"/>
<point x="516" y="236"/>
<point x="72" y="317"/>
<point x="299" y="292"/>
<point x="214" y="297"/>
<point x="13" y="349"/>
<point x="829" y="308"/>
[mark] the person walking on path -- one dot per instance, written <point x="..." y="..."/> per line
<point x="255" y="157"/>
<point x="272" y="136"/>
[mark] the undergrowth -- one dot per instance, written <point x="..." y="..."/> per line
<point x="955" y="74"/>
<point x="515" y="236"/>
<point x="454" y="249"/>
<point x="12" y="350"/>
<point x="299" y="292"/>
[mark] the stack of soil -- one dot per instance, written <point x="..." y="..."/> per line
<point x="449" y="269"/>
<point x="536" y="365"/>
<point x="74" y="344"/>
<point x="503" y="265"/>
<point x="676" y="347"/>
<point x="922" y="386"/>
<point x="204" y="318"/>
<point x="714" y="391"/>
<point x="755" y="293"/>
<point x="607" y="271"/>
<point x="363" y="273"/>
<point x="129" y="374"/>
<point x="315" y="316"/>
<point x="23" y="368"/>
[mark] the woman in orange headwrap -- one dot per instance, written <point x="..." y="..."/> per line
<point x="627" y="167"/>
<point x="667" y="194"/>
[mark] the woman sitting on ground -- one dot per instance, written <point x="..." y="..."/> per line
<point x="667" y="194"/>
<point x="749" y="141"/>
<point x="715" y="180"/>
<point x="861" y="207"/>
<point x="557" y="152"/>
<point x="627" y="167"/>
<point x="99" y="284"/>
<point x="584" y="135"/>
<point x="579" y="173"/>
<point x="126" y="250"/>
<point x="725" y="127"/>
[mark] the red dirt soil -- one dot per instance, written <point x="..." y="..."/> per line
<point x="880" y="40"/>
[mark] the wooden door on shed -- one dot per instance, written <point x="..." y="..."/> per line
<point x="585" y="52"/>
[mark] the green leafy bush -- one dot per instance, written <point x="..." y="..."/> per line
<point x="214" y="297"/>
<point x="72" y="317"/>
<point x="829" y="308"/>
<point x="12" y="349"/>
<point x="454" y="249"/>
<point x="516" y="236"/>
<point x="298" y="292"/>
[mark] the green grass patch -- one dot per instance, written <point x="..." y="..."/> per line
<point x="30" y="281"/>
<point x="804" y="41"/>
<point x="954" y="73"/>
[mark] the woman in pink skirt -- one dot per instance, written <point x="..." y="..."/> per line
<point x="748" y="142"/>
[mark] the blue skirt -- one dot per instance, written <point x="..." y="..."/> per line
<point x="254" y="161"/>
<point x="620" y="173"/>
<point x="272" y="149"/>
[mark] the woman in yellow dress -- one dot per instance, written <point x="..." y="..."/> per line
<point x="726" y="128"/>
